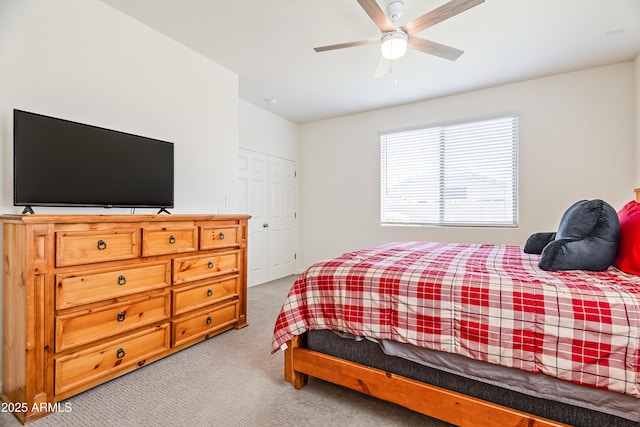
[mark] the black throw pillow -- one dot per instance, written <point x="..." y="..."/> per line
<point x="537" y="241"/>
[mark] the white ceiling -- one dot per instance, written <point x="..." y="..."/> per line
<point x="269" y="44"/>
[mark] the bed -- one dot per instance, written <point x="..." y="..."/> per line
<point x="471" y="334"/>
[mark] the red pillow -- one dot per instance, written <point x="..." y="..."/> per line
<point x="628" y="257"/>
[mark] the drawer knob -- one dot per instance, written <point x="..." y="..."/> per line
<point x="209" y="292"/>
<point x="102" y="245"/>
<point x="208" y="320"/>
<point x="121" y="316"/>
<point x="210" y="264"/>
<point x="172" y="239"/>
<point x="120" y="353"/>
<point x="221" y="235"/>
<point x="122" y="280"/>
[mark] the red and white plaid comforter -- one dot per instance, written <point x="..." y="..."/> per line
<point x="486" y="302"/>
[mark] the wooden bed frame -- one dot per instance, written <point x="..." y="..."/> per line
<point x="436" y="402"/>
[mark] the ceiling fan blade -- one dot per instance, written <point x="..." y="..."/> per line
<point x="439" y="14"/>
<point x="381" y="67"/>
<point x="345" y="45"/>
<point x="377" y="15"/>
<point x="433" y="48"/>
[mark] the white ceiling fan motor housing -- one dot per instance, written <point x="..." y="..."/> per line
<point x="395" y="9"/>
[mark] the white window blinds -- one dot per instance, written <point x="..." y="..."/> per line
<point x="463" y="174"/>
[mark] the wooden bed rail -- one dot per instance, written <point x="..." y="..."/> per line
<point x="436" y="402"/>
<point x="637" y="190"/>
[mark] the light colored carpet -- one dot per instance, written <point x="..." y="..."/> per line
<point x="229" y="380"/>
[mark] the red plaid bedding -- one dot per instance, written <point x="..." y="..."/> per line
<point x="486" y="302"/>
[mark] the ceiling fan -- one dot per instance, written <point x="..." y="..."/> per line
<point x="395" y="40"/>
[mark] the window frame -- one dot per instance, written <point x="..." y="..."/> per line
<point x="443" y="126"/>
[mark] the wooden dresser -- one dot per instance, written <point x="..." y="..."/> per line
<point x="88" y="298"/>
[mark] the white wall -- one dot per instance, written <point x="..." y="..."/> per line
<point x="576" y="141"/>
<point x="265" y="132"/>
<point x="87" y="62"/>
<point x="84" y="61"/>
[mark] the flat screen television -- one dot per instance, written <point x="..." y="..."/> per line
<point x="58" y="162"/>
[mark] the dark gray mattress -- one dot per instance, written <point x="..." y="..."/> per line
<point x="369" y="353"/>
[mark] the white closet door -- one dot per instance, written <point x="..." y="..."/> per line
<point x="266" y="187"/>
<point x="252" y="194"/>
<point x="281" y="176"/>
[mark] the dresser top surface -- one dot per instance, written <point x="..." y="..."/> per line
<point x="124" y="218"/>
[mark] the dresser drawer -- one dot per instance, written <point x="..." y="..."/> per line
<point x="173" y="240"/>
<point x="206" y="322"/>
<point x="95" y="324"/>
<point x="212" y="237"/>
<point x="192" y="297"/>
<point x="75" y="289"/>
<point x="200" y="267"/>
<point x="77" y="369"/>
<point x="86" y="247"/>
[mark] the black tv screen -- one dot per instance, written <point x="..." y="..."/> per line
<point x="63" y="163"/>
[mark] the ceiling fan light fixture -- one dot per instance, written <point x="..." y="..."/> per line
<point x="394" y="44"/>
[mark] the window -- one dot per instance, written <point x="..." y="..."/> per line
<point x="463" y="174"/>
